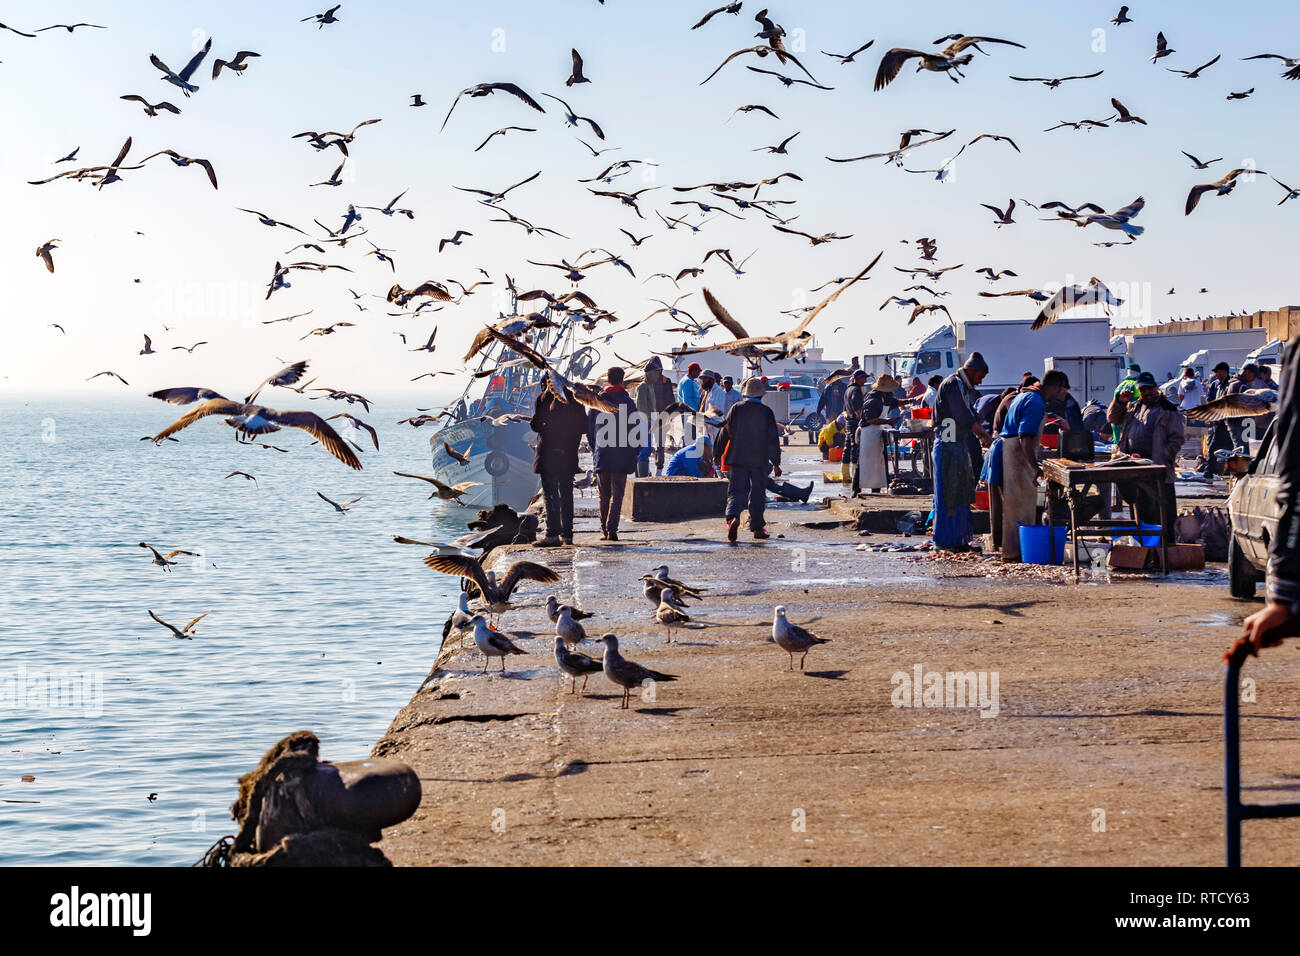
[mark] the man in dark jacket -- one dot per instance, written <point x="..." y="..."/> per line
<point x="560" y="427"/>
<point x="752" y="446"/>
<point x="1151" y="427"/>
<point x="1281" y="616"/>
<point x="654" y="394"/>
<point x="832" y="400"/>
<point x="953" y="466"/>
<point x="616" y="439"/>
<point x="855" y="399"/>
<point x="1220" y="437"/>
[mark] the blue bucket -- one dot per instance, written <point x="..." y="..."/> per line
<point x="1034" y="544"/>
<point x="1147" y="540"/>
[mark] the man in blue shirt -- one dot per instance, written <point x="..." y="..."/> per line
<point x="1012" y="467"/>
<point x="688" y="393"/>
<point x="694" y="461"/>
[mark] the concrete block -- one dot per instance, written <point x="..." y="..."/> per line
<point x="1182" y="557"/>
<point x="677" y="498"/>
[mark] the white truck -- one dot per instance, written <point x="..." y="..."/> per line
<point x="1010" y="348"/>
<point x="1164" y="353"/>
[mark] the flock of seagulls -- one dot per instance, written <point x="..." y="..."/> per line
<point x="766" y="203"/>
<point x="668" y="595"/>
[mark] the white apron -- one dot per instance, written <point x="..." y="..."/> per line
<point x="872" y="472"/>
<point x="1019" y="494"/>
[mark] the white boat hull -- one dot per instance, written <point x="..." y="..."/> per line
<point x="501" y="457"/>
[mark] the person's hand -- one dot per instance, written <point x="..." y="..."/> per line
<point x="776" y="470"/>
<point x="1262" y="629"/>
<point x="1126" y="395"/>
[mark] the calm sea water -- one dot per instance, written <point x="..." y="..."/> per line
<point x="319" y="621"/>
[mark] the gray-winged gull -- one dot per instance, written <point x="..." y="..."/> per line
<point x="626" y="674"/>
<point x="575" y="665"/>
<point x="792" y="638"/>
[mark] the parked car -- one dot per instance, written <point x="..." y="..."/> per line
<point x="1253" y="513"/>
<point x="803" y="406"/>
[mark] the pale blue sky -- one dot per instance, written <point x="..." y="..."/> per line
<point x="204" y="266"/>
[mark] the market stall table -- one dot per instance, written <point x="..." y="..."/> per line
<point x="1071" y="480"/>
<point x="895" y="436"/>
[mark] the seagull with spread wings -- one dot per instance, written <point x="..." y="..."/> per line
<point x="181" y="79"/>
<point x="733" y="7"/>
<point x="249" y="419"/>
<point x="1053" y="82"/>
<point x="151" y="109"/>
<point x="783" y="345"/>
<point x="185" y="633"/>
<point x="847" y="58"/>
<point x="1196" y="73"/>
<point x="949" y="60"/>
<point x="1219" y="187"/>
<point x="237" y="65"/>
<point x="1073" y="296"/>
<point x="165" y="561"/>
<point x="486" y="89"/>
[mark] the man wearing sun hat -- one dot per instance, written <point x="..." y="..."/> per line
<point x="869" y="469"/>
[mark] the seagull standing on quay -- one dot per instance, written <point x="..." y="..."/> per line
<point x="792" y="638"/>
<point x="626" y="674"/>
<point x="576" y="665"/>
<point x="493" y="643"/>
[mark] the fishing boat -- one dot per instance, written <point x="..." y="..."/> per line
<point x="500" y="448"/>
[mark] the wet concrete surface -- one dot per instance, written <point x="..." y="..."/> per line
<point x="1108" y="707"/>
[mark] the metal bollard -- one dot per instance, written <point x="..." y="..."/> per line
<point x="1235" y="810"/>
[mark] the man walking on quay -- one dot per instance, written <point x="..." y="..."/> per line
<point x="751" y="444"/>
<point x="1012" y="464"/>
<point x="616" y="438"/>
<point x="1153" y="428"/>
<point x="654" y="394"/>
<point x="955" y="474"/>
<point x="560" y="427"/>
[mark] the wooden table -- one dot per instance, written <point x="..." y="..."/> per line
<point x="894" y="435"/>
<point x="1071" y="480"/>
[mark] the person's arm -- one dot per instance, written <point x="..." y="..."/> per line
<point x="1118" y="408"/>
<point x="773" y="440"/>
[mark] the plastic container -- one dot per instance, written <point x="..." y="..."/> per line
<point x="922" y="412"/>
<point x="1145" y="541"/>
<point x="981" y="501"/>
<point x="1034" y="541"/>
<point x="1052" y="441"/>
<point x="837" y="454"/>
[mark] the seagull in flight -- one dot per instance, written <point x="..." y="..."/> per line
<point x="1197" y="164"/>
<point x="324" y="18"/>
<point x="486" y="89"/>
<point x="181" y="79"/>
<point x="949" y="60"/>
<point x="185" y="633"/>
